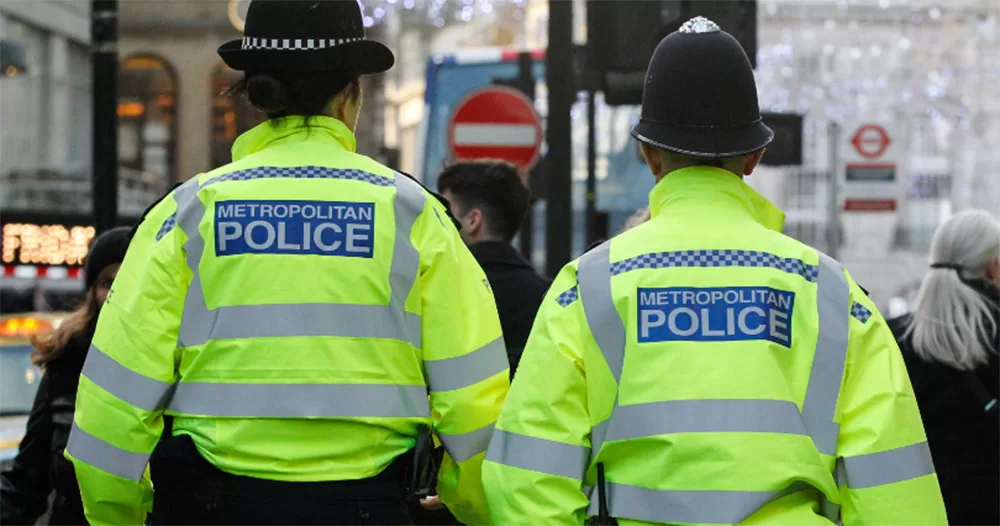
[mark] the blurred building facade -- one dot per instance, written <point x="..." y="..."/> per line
<point x="45" y="148"/>
<point x="175" y="122"/>
<point x="926" y="70"/>
<point x="45" y="106"/>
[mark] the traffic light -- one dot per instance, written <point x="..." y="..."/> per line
<point x="12" y="61"/>
<point x="525" y="79"/>
<point x="786" y="149"/>
<point x="622" y="36"/>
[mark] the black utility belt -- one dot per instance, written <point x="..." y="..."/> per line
<point x="177" y="462"/>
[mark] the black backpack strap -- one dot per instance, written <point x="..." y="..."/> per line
<point x="439" y="197"/>
<point x="145" y="212"/>
<point x="987" y="401"/>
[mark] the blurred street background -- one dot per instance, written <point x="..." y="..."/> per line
<point x="887" y="114"/>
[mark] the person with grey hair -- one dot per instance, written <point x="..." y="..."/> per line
<point x="950" y="343"/>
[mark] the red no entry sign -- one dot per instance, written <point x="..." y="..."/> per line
<point x="496" y="123"/>
<point x="871" y="141"/>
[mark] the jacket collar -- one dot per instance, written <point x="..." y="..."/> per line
<point x="710" y="191"/>
<point x="984" y="287"/>
<point x="294" y="129"/>
<point x="498" y="253"/>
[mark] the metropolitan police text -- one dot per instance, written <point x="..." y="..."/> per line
<point x="715" y="314"/>
<point x="329" y="228"/>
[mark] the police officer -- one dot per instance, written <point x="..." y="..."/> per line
<point x="296" y="313"/>
<point x="714" y="369"/>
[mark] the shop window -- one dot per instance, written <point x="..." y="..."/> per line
<point x="147" y="124"/>
<point x="231" y="115"/>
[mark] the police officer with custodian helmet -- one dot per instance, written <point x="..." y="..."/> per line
<point x="714" y="370"/>
<point x="296" y="313"/>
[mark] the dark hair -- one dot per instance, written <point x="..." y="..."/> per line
<point x="491" y="186"/>
<point x="282" y="94"/>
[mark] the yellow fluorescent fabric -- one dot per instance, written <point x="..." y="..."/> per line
<point x="878" y="414"/>
<point x="261" y="343"/>
<point x="708" y="430"/>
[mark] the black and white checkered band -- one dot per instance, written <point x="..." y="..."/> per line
<point x="295" y="44"/>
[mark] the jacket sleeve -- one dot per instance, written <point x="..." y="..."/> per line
<point x="128" y="374"/>
<point x="534" y="470"/>
<point x="885" y="471"/>
<point x="465" y="361"/>
<point x="25" y="487"/>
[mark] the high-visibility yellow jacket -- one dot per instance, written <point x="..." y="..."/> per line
<point x="720" y="371"/>
<point x="301" y="312"/>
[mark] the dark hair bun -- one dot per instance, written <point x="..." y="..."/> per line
<point x="266" y="93"/>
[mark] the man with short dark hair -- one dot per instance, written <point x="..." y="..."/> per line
<point x="490" y="200"/>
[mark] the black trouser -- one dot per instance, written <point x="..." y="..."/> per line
<point x="189" y="490"/>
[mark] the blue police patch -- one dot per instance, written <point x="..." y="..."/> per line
<point x="715" y="314"/>
<point x="325" y="228"/>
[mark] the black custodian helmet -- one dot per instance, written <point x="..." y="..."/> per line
<point x="700" y="96"/>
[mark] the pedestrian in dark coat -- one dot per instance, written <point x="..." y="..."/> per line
<point x="490" y="200"/>
<point x="40" y="468"/>
<point x="950" y="343"/>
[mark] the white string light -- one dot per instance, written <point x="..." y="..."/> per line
<point x="440" y="12"/>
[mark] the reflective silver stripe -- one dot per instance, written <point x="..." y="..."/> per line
<point x="125" y="384"/>
<point x="833" y="303"/>
<point x="95" y="452"/>
<point x="887" y="467"/>
<point x="467" y="445"/>
<point x="538" y="454"/>
<point x="407" y="206"/>
<point x="594" y="278"/>
<point x="705" y="416"/>
<point x="301" y="400"/>
<point x="196" y="321"/>
<point x="312" y="319"/>
<point x="688" y="506"/>
<point x="598" y="304"/>
<point x="469" y="369"/>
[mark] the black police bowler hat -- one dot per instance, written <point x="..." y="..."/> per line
<point x="700" y="97"/>
<point x="306" y="36"/>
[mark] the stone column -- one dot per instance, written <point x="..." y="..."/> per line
<point x="59" y="94"/>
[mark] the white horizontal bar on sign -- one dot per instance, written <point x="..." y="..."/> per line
<point x="524" y="135"/>
<point x="478" y="55"/>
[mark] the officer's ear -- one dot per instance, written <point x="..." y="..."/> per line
<point x="476" y="221"/>
<point x="653" y="159"/>
<point x="752" y="161"/>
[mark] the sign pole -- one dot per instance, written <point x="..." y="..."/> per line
<point x="591" y="167"/>
<point x="104" y="56"/>
<point x="558" y="135"/>
<point x="833" y="200"/>
<point x="525" y="82"/>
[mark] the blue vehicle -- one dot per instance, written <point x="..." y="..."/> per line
<point x="623" y="180"/>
